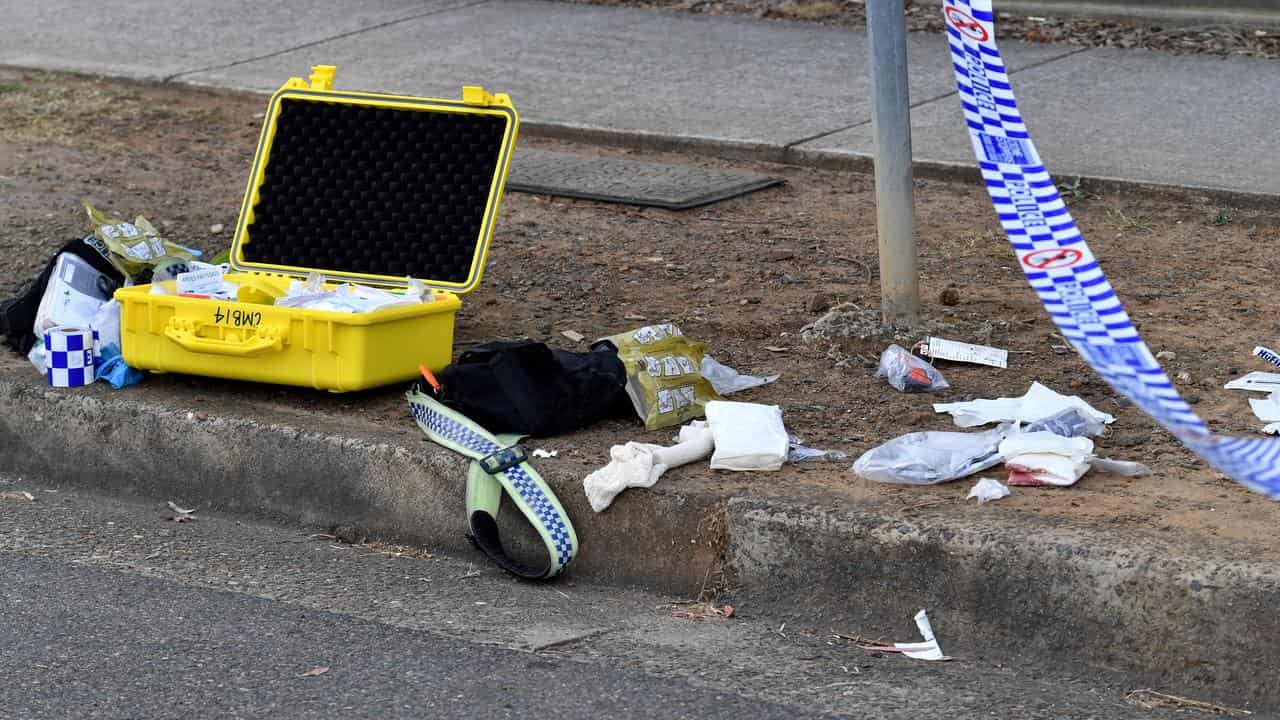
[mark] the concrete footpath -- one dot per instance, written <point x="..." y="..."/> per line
<point x="770" y="90"/>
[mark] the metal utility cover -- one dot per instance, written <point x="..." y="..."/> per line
<point x="630" y="182"/>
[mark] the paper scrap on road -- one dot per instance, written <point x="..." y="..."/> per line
<point x="927" y="650"/>
<point x="540" y="453"/>
<point x="181" y="514"/>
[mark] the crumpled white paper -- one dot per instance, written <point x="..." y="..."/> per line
<point x="927" y="650"/>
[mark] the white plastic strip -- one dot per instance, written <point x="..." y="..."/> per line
<point x="1059" y="264"/>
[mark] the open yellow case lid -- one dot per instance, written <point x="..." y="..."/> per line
<point x="375" y="188"/>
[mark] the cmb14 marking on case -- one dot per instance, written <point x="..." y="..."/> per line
<point x="236" y="318"/>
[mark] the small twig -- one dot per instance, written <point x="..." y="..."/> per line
<point x="866" y="268"/>
<point x="861" y="640"/>
<point x="468" y="576"/>
<point x="1149" y="699"/>
<point x="702" y="591"/>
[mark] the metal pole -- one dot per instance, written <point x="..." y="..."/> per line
<point x="891" y="125"/>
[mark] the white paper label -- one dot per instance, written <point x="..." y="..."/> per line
<point x="940" y="349"/>
<point x="201" y="281"/>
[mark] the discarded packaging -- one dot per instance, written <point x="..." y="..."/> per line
<point x="1266" y="409"/>
<point x="1256" y="381"/>
<point x="313" y="294"/>
<point x="641" y="464"/>
<point x="940" y="349"/>
<point x="664" y="377"/>
<point x="927" y="650"/>
<point x="1042" y="458"/>
<point x="908" y="373"/>
<point x="797" y="452"/>
<point x="988" y="489"/>
<point x="135" y="247"/>
<point x="747" y="436"/>
<point x="1038" y="403"/>
<point x="927" y="458"/>
<point x="18" y="314"/>
<point x="1120" y="467"/>
<point x="540" y="453"/>
<point x="727" y="381"/>
<point x="75" y="291"/>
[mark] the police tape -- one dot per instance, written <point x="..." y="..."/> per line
<point x="1059" y="264"/>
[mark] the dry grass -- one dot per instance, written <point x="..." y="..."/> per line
<point x="1148" y="699"/>
<point x="44" y="108"/>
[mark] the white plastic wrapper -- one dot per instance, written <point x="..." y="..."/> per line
<point x="75" y="292"/>
<point x="987" y="490"/>
<point x="726" y="380"/>
<point x="350" y="298"/>
<point x="747" y="436"/>
<point x="1040" y="402"/>
<point x="106" y="322"/>
<point x="797" y="452"/>
<point x="908" y="373"/>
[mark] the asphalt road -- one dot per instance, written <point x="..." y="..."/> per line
<point x="109" y="609"/>
<point x="94" y="643"/>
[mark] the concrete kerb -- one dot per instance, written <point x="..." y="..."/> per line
<point x="407" y="491"/>
<point x="1178" y="614"/>
<point x="1185" y="615"/>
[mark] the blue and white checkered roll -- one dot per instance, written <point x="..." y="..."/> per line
<point x="70" y="362"/>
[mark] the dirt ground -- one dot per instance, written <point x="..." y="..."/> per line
<point x="1260" y="41"/>
<point x="744" y="275"/>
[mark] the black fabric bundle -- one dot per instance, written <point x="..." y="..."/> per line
<point x="528" y="388"/>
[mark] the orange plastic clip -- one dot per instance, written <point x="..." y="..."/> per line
<point x="431" y="378"/>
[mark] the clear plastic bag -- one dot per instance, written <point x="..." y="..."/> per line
<point x="908" y="373"/>
<point x="927" y="458"/>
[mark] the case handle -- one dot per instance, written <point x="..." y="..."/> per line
<point x="256" y="342"/>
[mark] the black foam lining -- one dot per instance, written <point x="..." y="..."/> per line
<point x="375" y="190"/>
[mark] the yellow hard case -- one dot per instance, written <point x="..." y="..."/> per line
<point x="252" y="339"/>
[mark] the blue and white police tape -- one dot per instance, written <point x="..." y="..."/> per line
<point x="70" y="361"/>
<point x="1058" y="263"/>
<point x="1267" y="354"/>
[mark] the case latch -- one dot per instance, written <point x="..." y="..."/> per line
<point x="476" y="95"/>
<point x="322" y="76"/>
